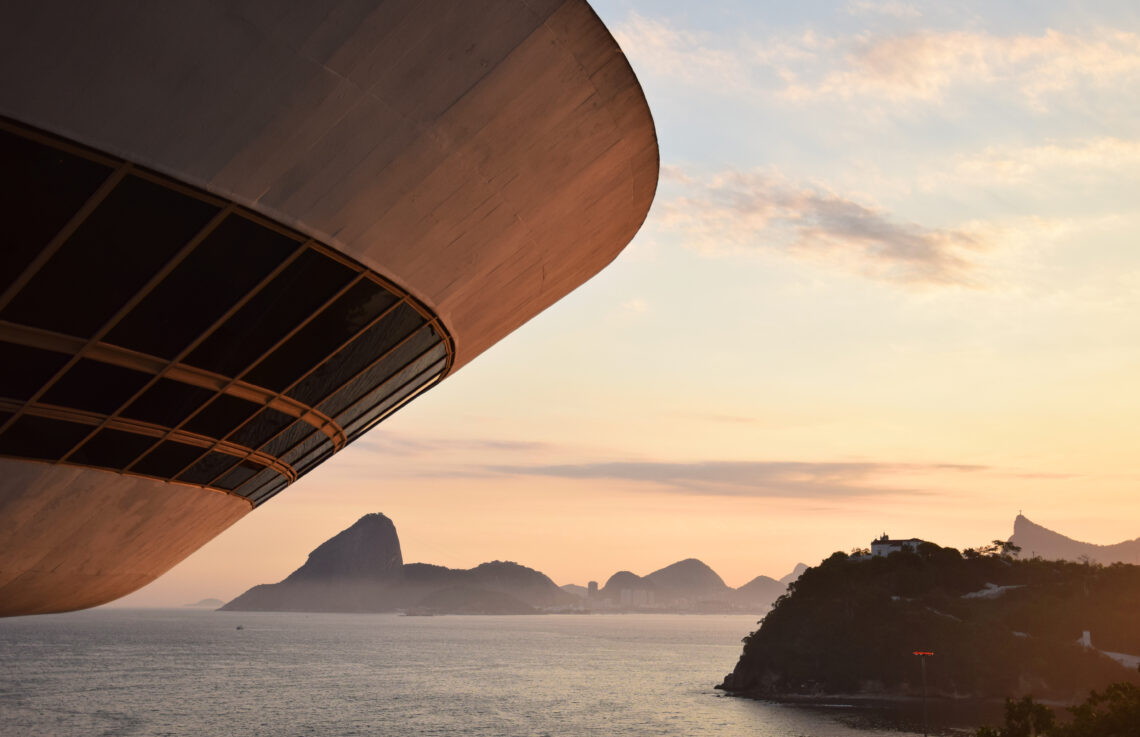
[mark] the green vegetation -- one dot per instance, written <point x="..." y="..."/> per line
<point x="997" y="625"/>
<point x="1113" y="712"/>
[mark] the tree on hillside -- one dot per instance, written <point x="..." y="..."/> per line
<point x="1024" y="717"/>
<point x="1007" y="548"/>
<point x="1114" y="712"/>
<point x="995" y="549"/>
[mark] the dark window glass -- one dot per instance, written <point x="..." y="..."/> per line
<point x="95" y="386"/>
<point x="392" y="384"/>
<point x="363" y="424"/>
<point x="251" y="487"/>
<point x="39" y="437"/>
<point x="128" y="238"/>
<point x="345" y="317"/>
<point x="313" y="441"/>
<point x="238" y="476"/>
<point x="208" y="468"/>
<point x="269" y="491"/>
<point x="24" y="370"/>
<point x="265" y="425"/>
<point x="168" y="402"/>
<point x="296" y="293"/>
<point x="223" y="268"/>
<point x="384" y="370"/>
<point x="286" y="440"/>
<point x="354" y="357"/>
<point x="314" y="459"/>
<point x="42" y="188"/>
<point x="111" y="449"/>
<point x="221" y="416"/>
<point x="167" y="459"/>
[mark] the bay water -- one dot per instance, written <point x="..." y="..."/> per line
<point x="187" y="672"/>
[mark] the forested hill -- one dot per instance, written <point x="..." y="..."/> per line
<point x="997" y="626"/>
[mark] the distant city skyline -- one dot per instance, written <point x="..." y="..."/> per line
<point x="889" y="283"/>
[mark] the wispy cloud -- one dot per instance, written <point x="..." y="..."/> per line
<point x="384" y="443"/>
<point x="635" y="306"/>
<point x="760" y="479"/>
<point x="717" y="417"/>
<point x="892" y="8"/>
<point x="686" y="56"/>
<point x="922" y="66"/>
<point x="749" y="210"/>
<point x="1106" y="156"/>
<point x="483" y="458"/>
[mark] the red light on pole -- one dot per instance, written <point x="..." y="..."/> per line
<point x="922" y="657"/>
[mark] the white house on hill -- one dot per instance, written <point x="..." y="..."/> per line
<point x="884" y="546"/>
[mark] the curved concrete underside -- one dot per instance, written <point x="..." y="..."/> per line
<point x="487" y="157"/>
<point x="77" y="537"/>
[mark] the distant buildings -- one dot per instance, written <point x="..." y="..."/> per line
<point x="884" y="546"/>
<point x="637" y="598"/>
<point x="1131" y="662"/>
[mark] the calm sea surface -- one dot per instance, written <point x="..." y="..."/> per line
<point x="171" y="672"/>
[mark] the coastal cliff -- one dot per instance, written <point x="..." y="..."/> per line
<point x="997" y="626"/>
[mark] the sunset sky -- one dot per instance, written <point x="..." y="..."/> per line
<point x="890" y="282"/>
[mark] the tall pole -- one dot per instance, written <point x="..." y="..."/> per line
<point x="922" y="656"/>
<point x="925" y="728"/>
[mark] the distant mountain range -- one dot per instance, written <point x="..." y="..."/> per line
<point x="361" y="570"/>
<point x="1037" y="541"/>
<point x="204" y="604"/>
<point x="690" y="585"/>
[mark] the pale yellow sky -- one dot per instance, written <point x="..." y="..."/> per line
<point x="890" y="283"/>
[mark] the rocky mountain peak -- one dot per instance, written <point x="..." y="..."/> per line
<point x="795" y="574"/>
<point x="1038" y="541"/>
<point x="369" y="549"/>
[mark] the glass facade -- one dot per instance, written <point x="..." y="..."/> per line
<point x="157" y="330"/>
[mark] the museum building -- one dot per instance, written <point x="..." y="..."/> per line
<point x="238" y="235"/>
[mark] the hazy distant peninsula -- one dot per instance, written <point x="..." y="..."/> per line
<point x="362" y="570"/>
<point x="1037" y="541"/>
<point x="205" y="604"/>
<point x="689" y="586"/>
<point x="998" y="626"/>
